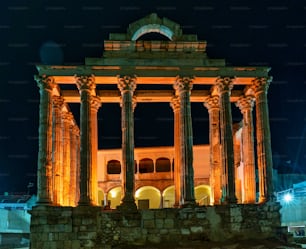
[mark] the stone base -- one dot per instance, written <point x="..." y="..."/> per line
<point x="92" y="227"/>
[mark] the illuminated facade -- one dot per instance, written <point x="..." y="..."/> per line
<point x="69" y="172"/>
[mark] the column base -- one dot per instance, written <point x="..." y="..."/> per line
<point x="189" y="204"/>
<point x="43" y="202"/>
<point x="127" y="206"/>
<point x="230" y="200"/>
<point x="85" y="202"/>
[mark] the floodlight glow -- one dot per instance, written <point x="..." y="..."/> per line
<point x="288" y="197"/>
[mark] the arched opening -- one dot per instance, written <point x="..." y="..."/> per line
<point x="152" y="28"/>
<point x="147" y="197"/>
<point x="168" y="197"/>
<point x="113" y="167"/>
<point x="153" y="36"/>
<point x="202" y="195"/>
<point x="114" y="197"/>
<point x="163" y="164"/>
<point x="146" y="165"/>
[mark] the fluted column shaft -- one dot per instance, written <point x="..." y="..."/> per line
<point x="246" y="104"/>
<point x="127" y="86"/>
<point x="264" y="152"/>
<point x="183" y="86"/>
<point x="224" y="88"/>
<point x="86" y="85"/>
<point x="57" y="149"/>
<point x="213" y="105"/>
<point x="178" y="176"/>
<point x="95" y="105"/>
<point x="44" y="171"/>
<point x="74" y="134"/>
<point x="66" y="125"/>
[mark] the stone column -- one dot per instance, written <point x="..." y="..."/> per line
<point x="246" y="104"/>
<point x="183" y="86"/>
<point x="127" y="86"/>
<point x="224" y="86"/>
<point x="74" y="133"/>
<point x="265" y="166"/>
<point x="57" y="149"/>
<point x="66" y="125"/>
<point x="95" y="105"/>
<point x="178" y="176"/>
<point x="86" y="86"/>
<point x="44" y="167"/>
<point x="213" y="105"/>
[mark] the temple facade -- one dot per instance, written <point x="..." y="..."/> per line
<point x="73" y="172"/>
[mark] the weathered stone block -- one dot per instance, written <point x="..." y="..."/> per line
<point x="163" y="231"/>
<point x="185" y="231"/>
<point x="159" y="223"/>
<point x="154" y="238"/>
<point x="196" y="229"/>
<point x="149" y="223"/>
<point x="168" y="223"/>
<point x="147" y="215"/>
<point x="87" y="221"/>
<point x="201" y="215"/>
<point x="53" y="236"/>
<point x="160" y="214"/>
<point x="87" y="235"/>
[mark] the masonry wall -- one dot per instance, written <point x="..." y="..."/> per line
<point x="91" y="227"/>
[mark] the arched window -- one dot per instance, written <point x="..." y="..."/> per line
<point x="113" y="167"/>
<point x="163" y="164"/>
<point x="146" y="165"/>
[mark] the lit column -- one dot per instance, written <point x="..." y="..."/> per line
<point x="178" y="176"/>
<point x="95" y="105"/>
<point x="265" y="167"/>
<point x="74" y="133"/>
<point x="224" y="88"/>
<point x="66" y="124"/>
<point x="86" y="86"/>
<point x="58" y="103"/>
<point x="213" y="105"/>
<point x="246" y="104"/>
<point x="127" y="86"/>
<point x="44" y="167"/>
<point x="183" y="86"/>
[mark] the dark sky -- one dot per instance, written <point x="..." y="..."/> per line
<point x="245" y="33"/>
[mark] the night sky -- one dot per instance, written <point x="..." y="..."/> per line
<point x="245" y="33"/>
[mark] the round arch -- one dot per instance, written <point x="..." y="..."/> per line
<point x="169" y="197"/>
<point x="147" y="197"/>
<point x="114" y="197"/>
<point x="202" y="194"/>
<point x="155" y="24"/>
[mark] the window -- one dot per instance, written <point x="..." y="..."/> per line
<point x="163" y="165"/>
<point x="146" y="165"/>
<point x="113" y="167"/>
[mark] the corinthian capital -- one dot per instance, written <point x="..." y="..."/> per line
<point x="261" y="84"/>
<point x="175" y="103"/>
<point x="67" y="117"/>
<point x="245" y="103"/>
<point x="45" y="82"/>
<point x="85" y="82"/>
<point x="58" y="102"/>
<point x="224" y="84"/>
<point x="126" y="83"/>
<point x="95" y="102"/>
<point x="212" y="102"/>
<point x="183" y="84"/>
